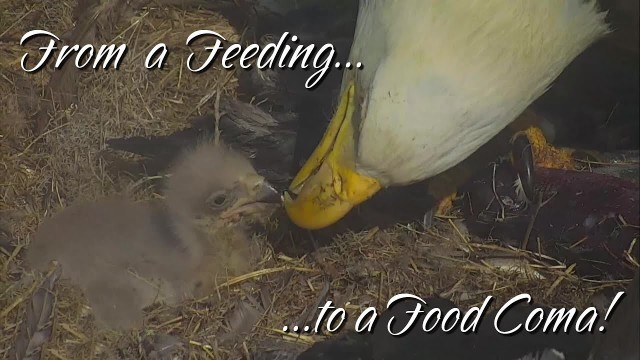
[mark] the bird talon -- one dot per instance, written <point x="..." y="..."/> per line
<point x="545" y="154"/>
<point x="427" y="220"/>
<point x="445" y="205"/>
<point x="524" y="164"/>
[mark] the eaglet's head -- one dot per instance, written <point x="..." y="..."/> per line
<point x="212" y="179"/>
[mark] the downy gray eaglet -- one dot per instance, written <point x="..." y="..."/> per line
<point x="127" y="255"/>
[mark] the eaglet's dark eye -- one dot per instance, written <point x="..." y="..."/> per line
<point x="219" y="199"/>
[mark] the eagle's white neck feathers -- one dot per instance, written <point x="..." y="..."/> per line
<point x="442" y="78"/>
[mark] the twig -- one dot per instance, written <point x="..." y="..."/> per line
<point x="216" y="114"/>
<point x="557" y="282"/>
<point x="495" y="193"/>
<point x="532" y="220"/>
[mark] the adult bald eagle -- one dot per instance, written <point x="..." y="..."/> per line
<point x="439" y="79"/>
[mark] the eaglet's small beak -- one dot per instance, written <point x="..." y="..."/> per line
<point x="258" y="193"/>
<point x="266" y="193"/>
<point x="328" y="185"/>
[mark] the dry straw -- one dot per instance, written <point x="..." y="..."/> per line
<point x="39" y="175"/>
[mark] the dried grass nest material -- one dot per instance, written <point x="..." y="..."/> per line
<point x="40" y="175"/>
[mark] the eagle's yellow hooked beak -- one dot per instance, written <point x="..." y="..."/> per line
<point x="328" y="185"/>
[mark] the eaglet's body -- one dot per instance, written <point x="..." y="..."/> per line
<point x="119" y="253"/>
<point x="127" y="255"/>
